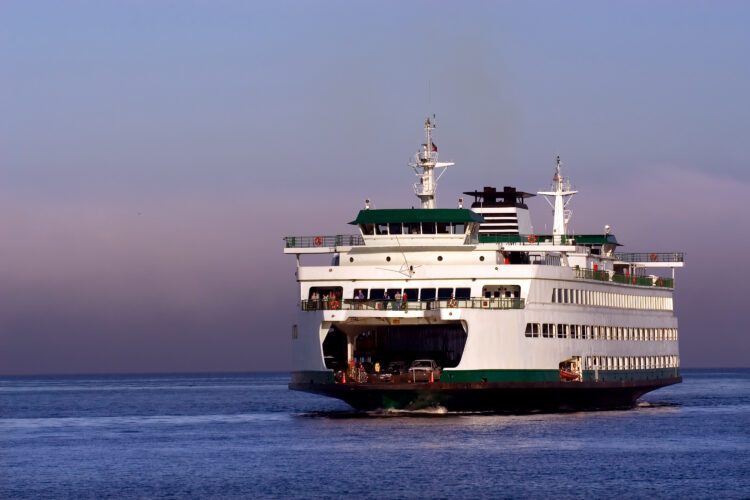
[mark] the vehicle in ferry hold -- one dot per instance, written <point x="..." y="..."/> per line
<point x="507" y="319"/>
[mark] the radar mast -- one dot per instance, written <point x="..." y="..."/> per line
<point x="425" y="163"/>
<point x="560" y="189"/>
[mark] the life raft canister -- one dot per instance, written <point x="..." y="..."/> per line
<point x="318" y="241"/>
<point x="334" y="304"/>
<point x="452" y="303"/>
<point x="653" y="257"/>
<point x="531" y="238"/>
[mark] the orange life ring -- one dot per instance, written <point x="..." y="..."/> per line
<point x="653" y="257"/>
<point x="452" y="303"/>
<point x="318" y="240"/>
<point x="531" y="238"/>
<point x="334" y="304"/>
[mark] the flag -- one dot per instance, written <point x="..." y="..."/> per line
<point x="555" y="178"/>
<point x="434" y="148"/>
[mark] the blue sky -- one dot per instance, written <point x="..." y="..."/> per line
<point x="154" y="153"/>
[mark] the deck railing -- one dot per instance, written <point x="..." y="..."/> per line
<point x="651" y="257"/>
<point x="591" y="274"/>
<point x="413" y="305"/>
<point x="351" y="240"/>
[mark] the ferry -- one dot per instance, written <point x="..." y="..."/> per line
<point x="470" y="309"/>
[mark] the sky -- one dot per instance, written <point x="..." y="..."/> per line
<point x="154" y="154"/>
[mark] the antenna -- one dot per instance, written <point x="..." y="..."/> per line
<point x="559" y="190"/>
<point x="424" y="165"/>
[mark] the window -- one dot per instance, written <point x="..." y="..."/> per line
<point x="532" y="330"/>
<point x="381" y="228"/>
<point x="547" y="330"/>
<point x="427" y="294"/>
<point x="554" y="295"/>
<point x="445" y="293"/>
<point x="412" y="294"/>
<point x="428" y="228"/>
<point x="376" y="293"/>
<point x="355" y="294"/>
<point x="367" y="229"/>
<point x="562" y="331"/>
<point x="411" y="228"/>
<point x="565" y="296"/>
<point x="559" y="295"/>
<point x="394" y="228"/>
<point x="586" y="332"/>
<point x="443" y="228"/>
<point x="463" y="293"/>
<point x="392" y="292"/>
<point x="459" y="228"/>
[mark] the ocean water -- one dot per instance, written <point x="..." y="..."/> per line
<point x="248" y="436"/>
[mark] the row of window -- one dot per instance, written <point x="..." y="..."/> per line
<point x="596" y="332"/>
<point x="412" y="294"/>
<point x="610" y="299"/>
<point x="631" y="362"/>
<point x="414" y="228"/>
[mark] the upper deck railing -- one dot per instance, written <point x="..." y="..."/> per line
<point x="590" y="274"/>
<point x="651" y="257"/>
<point x="413" y="305"/>
<point x="351" y="240"/>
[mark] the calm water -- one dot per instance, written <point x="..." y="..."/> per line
<point x="247" y="436"/>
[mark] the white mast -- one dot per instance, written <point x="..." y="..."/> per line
<point x="424" y="165"/>
<point x="560" y="189"/>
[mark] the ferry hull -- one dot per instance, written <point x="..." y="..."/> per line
<point x="503" y="397"/>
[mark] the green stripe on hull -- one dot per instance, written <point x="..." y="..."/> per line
<point x="500" y="376"/>
<point x="479" y="376"/>
<point x="630" y="375"/>
<point x="554" y="375"/>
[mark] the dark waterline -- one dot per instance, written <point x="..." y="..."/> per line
<point x="246" y="435"/>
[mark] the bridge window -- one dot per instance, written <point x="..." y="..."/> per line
<point x="411" y="228"/>
<point x="428" y="228"/>
<point x="376" y="293"/>
<point x="367" y="229"/>
<point x="427" y="294"/>
<point x="381" y="228"/>
<point x="394" y="228"/>
<point x="459" y="228"/>
<point x="443" y="228"/>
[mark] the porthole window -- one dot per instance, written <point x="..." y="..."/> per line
<point x="351" y="259"/>
<point x="440" y="258"/>
<point x="481" y="258"/>
<point x="387" y="259"/>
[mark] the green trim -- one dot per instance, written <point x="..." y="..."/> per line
<point x="630" y="375"/>
<point x="465" y="376"/>
<point x="580" y="239"/>
<point x="395" y="215"/>
<point x="500" y="376"/>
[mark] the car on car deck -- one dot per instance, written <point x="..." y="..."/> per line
<point x="422" y="370"/>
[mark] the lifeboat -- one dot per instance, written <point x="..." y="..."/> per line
<point x="567" y="375"/>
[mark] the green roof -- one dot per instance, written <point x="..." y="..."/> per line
<point x="389" y="215"/>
